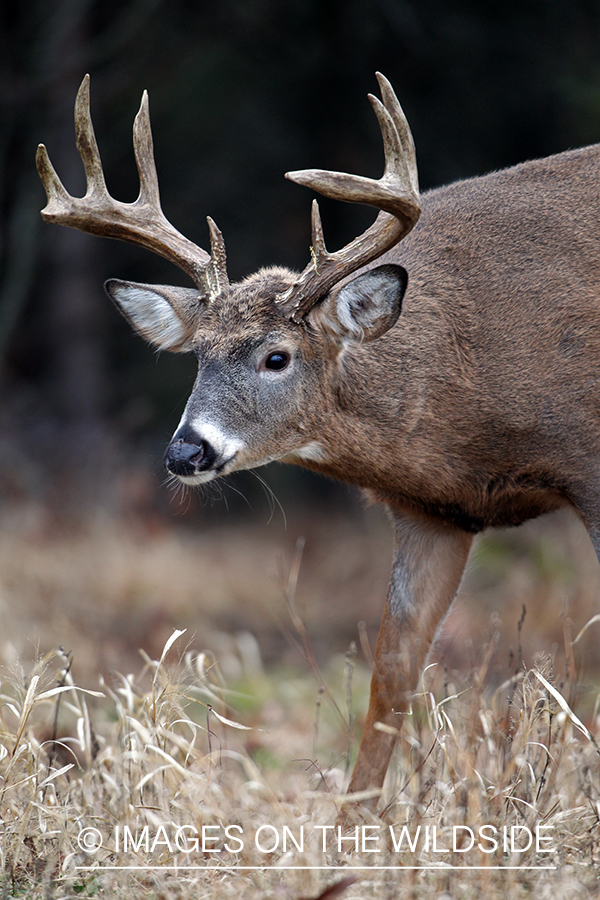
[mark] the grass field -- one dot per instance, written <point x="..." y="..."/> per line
<point x="228" y="745"/>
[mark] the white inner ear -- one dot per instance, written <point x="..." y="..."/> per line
<point x="152" y="316"/>
<point x="364" y="301"/>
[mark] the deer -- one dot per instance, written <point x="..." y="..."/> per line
<point x="446" y="361"/>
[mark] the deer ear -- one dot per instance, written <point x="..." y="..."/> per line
<point x="165" y="316"/>
<point x="366" y="307"/>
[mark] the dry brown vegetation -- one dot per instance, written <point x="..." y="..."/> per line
<point x="503" y="733"/>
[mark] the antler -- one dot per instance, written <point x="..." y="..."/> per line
<point x="142" y="222"/>
<point x="396" y="194"/>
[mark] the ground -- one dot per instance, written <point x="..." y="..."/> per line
<point x="249" y="718"/>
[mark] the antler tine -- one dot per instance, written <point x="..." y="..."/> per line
<point x="55" y="190"/>
<point x="142" y="222"/>
<point x="390" y="101"/>
<point x="318" y="238"/>
<point x="395" y="162"/>
<point x="395" y="194"/>
<point x="87" y="145"/>
<point x="143" y="148"/>
<point x="218" y="269"/>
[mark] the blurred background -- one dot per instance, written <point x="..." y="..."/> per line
<point x="97" y="553"/>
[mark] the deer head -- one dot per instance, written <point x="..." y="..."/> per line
<point x="269" y="347"/>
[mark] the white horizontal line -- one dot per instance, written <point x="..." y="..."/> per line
<point x="282" y="868"/>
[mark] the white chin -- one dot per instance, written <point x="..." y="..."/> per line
<point x="200" y="478"/>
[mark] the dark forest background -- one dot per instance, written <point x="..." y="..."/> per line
<point x="240" y="92"/>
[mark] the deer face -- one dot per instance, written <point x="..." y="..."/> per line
<point x="268" y="347"/>
<point x="265" y="383"/>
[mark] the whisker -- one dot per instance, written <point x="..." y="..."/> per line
<point x="229" y="485"/>
<point x="179" y="491"/>
<point x="181" y="494"/>
<point x="214" y="490"/>
<point x="272" y="498"/>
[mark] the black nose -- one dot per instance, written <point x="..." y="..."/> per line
<point x="184" y="458"/>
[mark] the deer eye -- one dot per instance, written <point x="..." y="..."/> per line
<point x="277" y="361"/>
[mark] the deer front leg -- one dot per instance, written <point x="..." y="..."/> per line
<point x="429" y="560"/>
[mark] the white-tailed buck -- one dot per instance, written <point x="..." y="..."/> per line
<point x="454" y="376"/>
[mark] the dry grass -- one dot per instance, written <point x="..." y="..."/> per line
<point x="494" y="737"/>
<point x="166" y="750"/>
